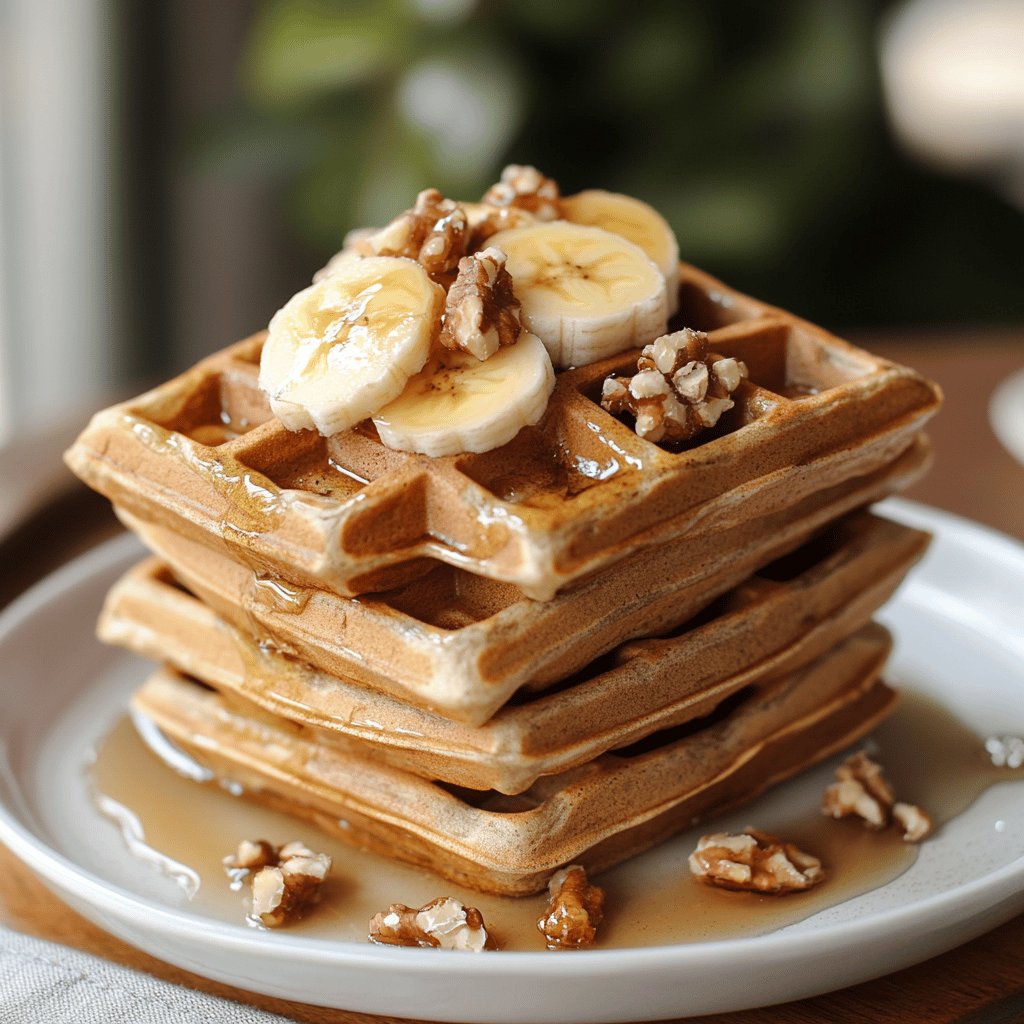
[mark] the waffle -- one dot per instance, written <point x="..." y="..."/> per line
<point x="598" y="814"/>
<point x="462" y="645"/>
<point x="202" y="456"/>
<point x="774" y="623"/>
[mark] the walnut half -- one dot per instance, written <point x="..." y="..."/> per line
<point x="481" y="313"/>
<point x="442" y="923"/>
<point x="755" y="862"/>
<point x="575" y="909"/>
<point x="435" y="232"/>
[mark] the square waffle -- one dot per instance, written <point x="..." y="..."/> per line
<point x="202" y="456"/>
<point x="560" y="650"/>
<point x="597" y="814"/>
<point x="783" y="617"/>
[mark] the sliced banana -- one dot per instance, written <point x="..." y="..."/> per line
<point x="585" y="292"/>
<point x="634" y="220"/>
<point x="459" y="404"/>
<point x="344" y="347"/>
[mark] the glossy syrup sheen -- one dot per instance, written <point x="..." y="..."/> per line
<point x="187" y="829"/>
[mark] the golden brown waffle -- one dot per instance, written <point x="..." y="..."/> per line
<point x="201" y="455"/>
<point x="598" y="814"/>
<point x="461" y="645"/>
<point x="779" y="620"/>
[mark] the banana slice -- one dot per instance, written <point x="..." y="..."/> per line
<point x="634" y="220"/>
<point x="341" y="349"/>
<point x="459" y="404"/>
<point x="585" y="292"/>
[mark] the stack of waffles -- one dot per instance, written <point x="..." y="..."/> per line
<point x="559" y="651"/>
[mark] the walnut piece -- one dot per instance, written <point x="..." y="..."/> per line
<point x="442" y="923"/>
<point x="916" y="824"/>
<point x="754" y="861"/>
<point x="679" y="389"/>
<point x="435" y="232"/>
<point x="481" y="313"/>
<point x="286" y="880"/>
<point x="525" y="187"/>
<point x="486" y="220"/>
<point x="251" y="855"/>
<point x="861" y="790"/>
<point x="575" y="909"/>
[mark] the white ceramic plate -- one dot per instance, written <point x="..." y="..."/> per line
<point x="960" y="627"/>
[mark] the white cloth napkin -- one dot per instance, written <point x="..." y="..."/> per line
<point x="43" y="982"/>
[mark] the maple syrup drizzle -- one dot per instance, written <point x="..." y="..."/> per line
<point x="651" y="899"/>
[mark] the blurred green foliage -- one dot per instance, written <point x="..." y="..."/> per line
<point x="757" y="129"/>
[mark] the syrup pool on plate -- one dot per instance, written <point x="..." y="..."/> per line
<point x="182" y="829"/>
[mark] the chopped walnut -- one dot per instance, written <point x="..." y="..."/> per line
<point x="575" y="909"/>
<point x="285" y="880"/>
<point x="862" y="790"/>
<point x="444" y="923"/>
<point x="754" y="861"/>
<point x="679" y="389"/>
<point x="481" y="313"/>
<point x="251" y="855"/>
<point x="525" y="187"/>
<point x="434" y="232"/>
<point x="916" y="824"/>
<point x="486" y="220"/>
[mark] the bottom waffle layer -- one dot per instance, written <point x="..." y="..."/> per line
<point x="597" y="814"/>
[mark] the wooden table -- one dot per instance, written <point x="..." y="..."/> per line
<point x="982" y="982"/>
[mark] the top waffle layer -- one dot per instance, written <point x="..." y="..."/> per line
<point x="203" y="455"/>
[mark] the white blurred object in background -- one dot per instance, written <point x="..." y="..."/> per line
<point x="1006" y="414"/>
<point x="57" y="317"/>
<point x="953" y="74"/>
